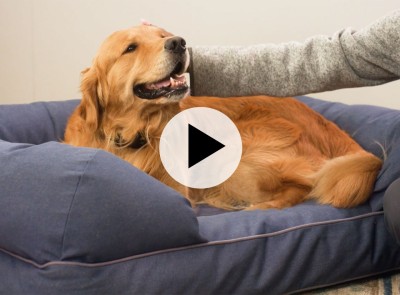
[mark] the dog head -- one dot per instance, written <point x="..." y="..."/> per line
<point x="134" y="68"/>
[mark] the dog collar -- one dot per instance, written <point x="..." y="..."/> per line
<point x="137" y="143"/>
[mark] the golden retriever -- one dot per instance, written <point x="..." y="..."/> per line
<point x="290" y="153"/>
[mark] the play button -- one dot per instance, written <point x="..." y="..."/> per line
<point x="200" y="147"/>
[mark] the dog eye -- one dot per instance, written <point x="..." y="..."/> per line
<point x="130" y="48"/>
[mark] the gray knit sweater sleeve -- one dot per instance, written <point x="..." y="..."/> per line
<point x="349" y="58"/>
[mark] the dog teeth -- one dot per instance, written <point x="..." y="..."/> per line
<point x="177" y="83"/>
<point x="172" y="82"/>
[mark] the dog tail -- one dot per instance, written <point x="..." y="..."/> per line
<point x="346" y="181"/>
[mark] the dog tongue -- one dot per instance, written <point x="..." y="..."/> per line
<point x="158" y="85"/>
<point x="174" y="82"/>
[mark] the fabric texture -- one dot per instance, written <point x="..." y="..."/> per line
<point x="62" y="203"/>
<point x="81" y="221"/>
<point x="349" y="58"/>
<point x="391" y="206"/>
<point x="35" y="123"/>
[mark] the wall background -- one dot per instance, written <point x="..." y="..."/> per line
<point x="46" y="43"/>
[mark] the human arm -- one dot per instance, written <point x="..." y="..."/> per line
<point x="349" y="58"/>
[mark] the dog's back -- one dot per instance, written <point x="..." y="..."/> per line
<point x="290" y="153"/>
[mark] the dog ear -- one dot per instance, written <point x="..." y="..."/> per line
<point x="90" y="108"/>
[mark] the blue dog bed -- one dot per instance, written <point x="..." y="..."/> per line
<point x="82" y="221"/>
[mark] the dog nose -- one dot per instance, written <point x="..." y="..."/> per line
<point x="175" y="44"/>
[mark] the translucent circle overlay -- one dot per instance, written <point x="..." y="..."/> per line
<point x="214" y="168"/>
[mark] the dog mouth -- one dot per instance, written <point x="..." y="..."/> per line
<point x="173" y="85"/>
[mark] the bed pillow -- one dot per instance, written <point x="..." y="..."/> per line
<point x="62" y="203"/>
<point x="36" y="122"/>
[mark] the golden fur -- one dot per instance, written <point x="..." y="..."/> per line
<point x="290" y="153"/>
